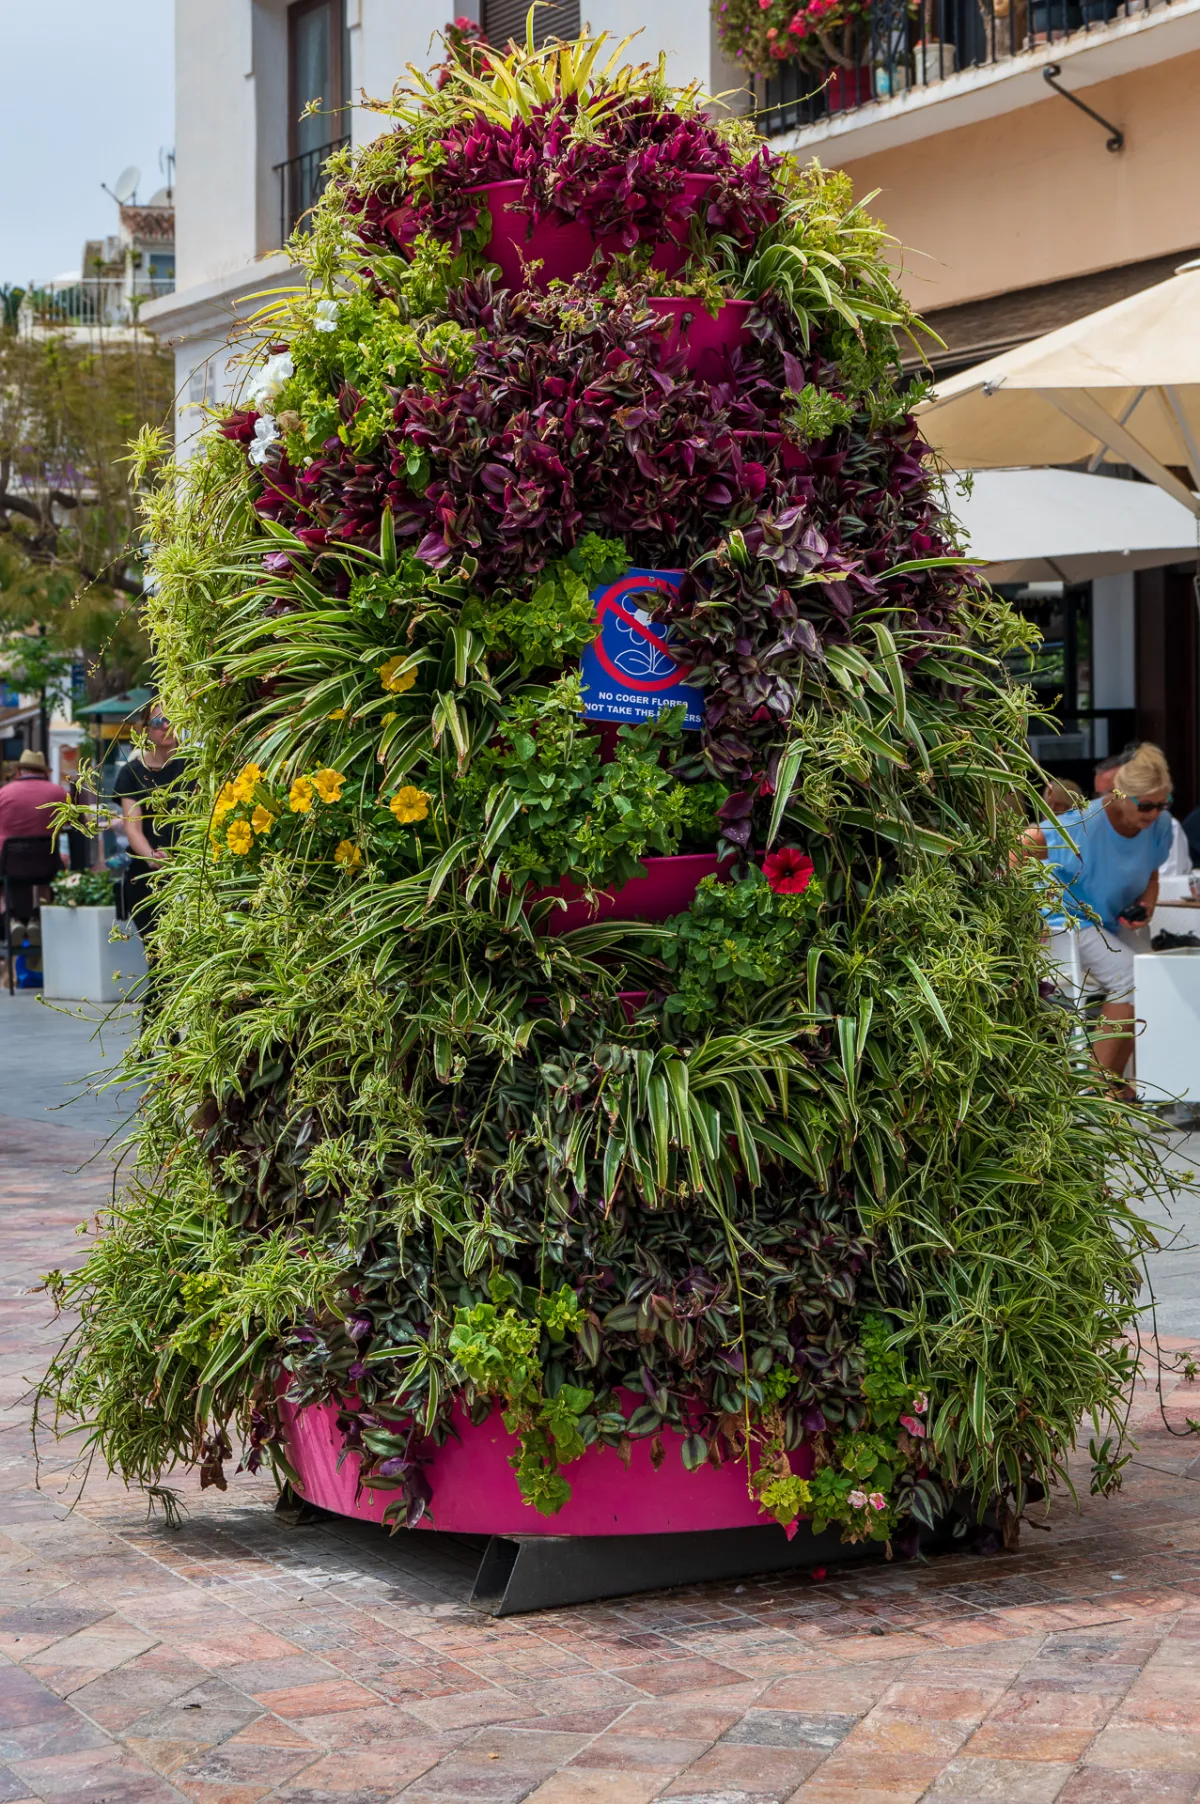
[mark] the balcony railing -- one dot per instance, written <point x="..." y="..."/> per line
<point x="302" y="181"/>
<point x="92" y="300"/>
<point x="900" y="48"/>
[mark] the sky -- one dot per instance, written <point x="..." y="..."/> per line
<point x="88" y="88"/>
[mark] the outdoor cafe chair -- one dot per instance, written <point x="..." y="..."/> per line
<point x="24" y="863"/>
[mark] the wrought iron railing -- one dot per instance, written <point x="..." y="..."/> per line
<point x="302" y="181"/>
<point x="92" y="300"/>
<point x="901" y="47"/>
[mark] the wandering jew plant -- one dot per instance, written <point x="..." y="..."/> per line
<point x="808" y="1163"/>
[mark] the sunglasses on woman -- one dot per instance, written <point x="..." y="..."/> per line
<point x="1145" y="807"/>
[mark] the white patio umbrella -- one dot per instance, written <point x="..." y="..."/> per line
<point x="1060" y="525"/>
<point x="1121" y="384"/>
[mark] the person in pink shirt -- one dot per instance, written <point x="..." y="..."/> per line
<point x="27" y="806"/>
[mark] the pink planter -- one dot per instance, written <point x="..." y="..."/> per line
<point x="706" y="341"/>
<point x="566" y="249"/>
<point x="666" y="890"/>
<point x="475" y="1492"/>
<point x="847" y="89"/>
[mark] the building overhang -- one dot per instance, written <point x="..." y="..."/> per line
<point x="989" y="90"/>
<point x="226" y="302"/>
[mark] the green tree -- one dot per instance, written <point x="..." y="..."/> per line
<point x="71" y="556"/>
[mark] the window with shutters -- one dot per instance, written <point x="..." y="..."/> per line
<point x="505" y="19"/>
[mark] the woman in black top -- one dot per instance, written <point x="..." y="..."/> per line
<point x="150" y="836"/>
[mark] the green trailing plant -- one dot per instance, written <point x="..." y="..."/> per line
<point x="808" y="1176"/>
<point x="83" y="889"/>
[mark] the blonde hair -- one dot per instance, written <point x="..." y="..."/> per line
<point x="1061" y="795"/>
<point x="1145" y="771"/>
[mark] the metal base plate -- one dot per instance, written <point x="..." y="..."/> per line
<point x="517" y="1573"/>
<point x="543" y="1572"/>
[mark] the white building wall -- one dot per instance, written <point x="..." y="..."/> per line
<point x="389" y="37"/>
<point x="216" y="230"/>
<point x="685" y="30"/>
<point x="232" y="131"/>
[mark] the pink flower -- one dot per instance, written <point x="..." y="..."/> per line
<point x="764" y="5"/>
<point x="773" y="32"/>
<point x="877" y="1500"/>
<point x="920" y="1404"/>
<point x="857" y="1500"/>
<point x="915" y="1428"/>
<point x="788" y="872"/>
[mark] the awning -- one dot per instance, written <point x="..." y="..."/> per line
<point x="124" y="707"/>
<point x="1062" y="525"/>
<point x="1122" y="384"/>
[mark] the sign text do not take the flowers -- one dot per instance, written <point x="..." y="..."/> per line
<point x="629" y="672"/>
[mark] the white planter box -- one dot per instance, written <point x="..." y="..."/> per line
<point x="1166" y="989"/>
<point x="80" y="963"/>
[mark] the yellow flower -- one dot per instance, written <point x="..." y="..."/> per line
<point x="224" y="802"/>
<point x="337" y="714"/>
<point x="328" y="784"/>
<point x="409" y="805"/>
<point x="239" y="837"/>
<point x="300" y="795"/>
<point x="394" y="683"/>
<point x="262" y="820"/>
<point x="348" y="854"/>
<point x="247" y="782"/>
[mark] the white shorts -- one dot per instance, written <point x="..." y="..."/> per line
<point x="1106" y="958"/>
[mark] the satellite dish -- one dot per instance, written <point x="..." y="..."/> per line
<point x="126" y="184"/>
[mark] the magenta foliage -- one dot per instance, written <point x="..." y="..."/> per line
<point x="625" y="182"/>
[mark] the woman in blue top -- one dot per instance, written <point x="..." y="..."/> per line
<point x="1106" y="855"/>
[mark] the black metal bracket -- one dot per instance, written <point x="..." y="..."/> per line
<point x="1116" y="137"/>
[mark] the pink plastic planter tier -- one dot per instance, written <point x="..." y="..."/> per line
<point x="666" y="890"/>
<point x="566" y="250"/>
<point x="705" y="339"/>
<point x="475" y="1491"/>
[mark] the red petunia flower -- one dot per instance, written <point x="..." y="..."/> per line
<point x="788" y="872"/>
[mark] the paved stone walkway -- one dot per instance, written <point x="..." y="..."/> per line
<point x="237" y="1659"/>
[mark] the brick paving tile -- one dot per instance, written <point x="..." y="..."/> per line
<point x="1028" y="1741"/>
<point x="1006" y="1781"/>
<point x="1117" y="1785"/>
<point x="586" y="1788"/>
<point x="640" y="1753"/>
<point x="766" y="1775"/>
<point x="240" y="1660"/>
<point x="99" y="1776"/>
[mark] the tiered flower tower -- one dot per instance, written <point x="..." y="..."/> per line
<point x="598" y="1081"/>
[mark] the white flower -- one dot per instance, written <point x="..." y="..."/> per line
<point x="264" y="386"/>
<point x="857" y="1500"/>
<point x="326" y="316"/>
<point x="266" y="432"/>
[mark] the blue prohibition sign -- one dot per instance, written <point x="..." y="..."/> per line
<point x="629" y="672"/>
